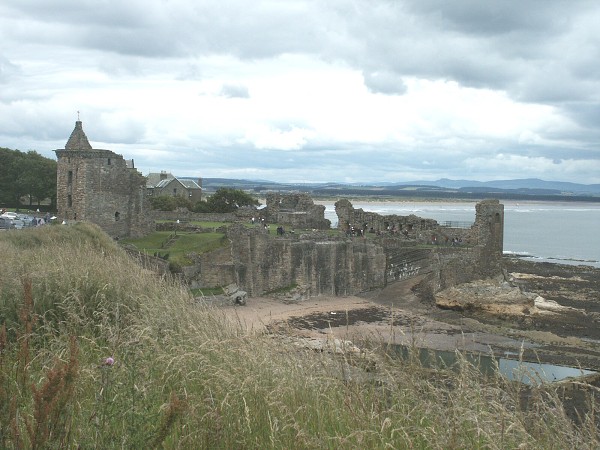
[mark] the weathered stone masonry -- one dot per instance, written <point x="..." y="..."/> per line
<point x="99" y="186"/>
<point x="417" y="246"/>
<point x="295" y="211"/>
<point x="260" y="263"/>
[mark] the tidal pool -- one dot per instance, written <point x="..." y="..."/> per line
<point x="530" y="373"/>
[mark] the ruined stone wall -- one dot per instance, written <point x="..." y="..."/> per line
<point x="183" y="214"/>
<point x="260" y="263"/>
<point x="295" y="211"/>
<point x="412" y="227"/>
<point x="148" y="262"/>
<point x="214" y="269"/>
<point x="242" y="214"/>
<point x="416" y="246"/>
<point x="489" y="228"/>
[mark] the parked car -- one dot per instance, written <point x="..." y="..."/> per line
<point x="10" y="215"/>
<point x="6" y="223"/>
<point x="24" y="222"/>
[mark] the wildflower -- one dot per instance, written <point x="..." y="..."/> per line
<point x="109" y="361"/>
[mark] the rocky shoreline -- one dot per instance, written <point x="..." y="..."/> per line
<point x="556" y="318"/>
<point x="544" y="312"/>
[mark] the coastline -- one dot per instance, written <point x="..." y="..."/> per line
<point x="397" y="315"/>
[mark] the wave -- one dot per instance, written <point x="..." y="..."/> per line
<point x="562" y="210"/>
<point x="514" y="253"/>
<point x="554" y="259"/>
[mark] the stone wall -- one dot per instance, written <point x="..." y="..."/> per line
<point x="214" y="269"/>
<point x="260" y="263"/>
<point x="182" y="214"/>
<point x="149" y="262"/>
<point x="411" y="227"/>
<point x="322" y="264"/>
<point x="295" y="211"/>
<point x="416" y="246"/>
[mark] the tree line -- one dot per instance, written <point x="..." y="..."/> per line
<point x="26" y="178"/>
<point x="224" y="200"/>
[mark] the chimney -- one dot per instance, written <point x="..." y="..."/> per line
<point x="163" y="175"/>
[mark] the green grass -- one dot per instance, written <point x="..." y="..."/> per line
<point x="205" y="224"/>
<point x="185" y="376"/>
<point x="178" y="245"/>
<point x="184" y="242"/>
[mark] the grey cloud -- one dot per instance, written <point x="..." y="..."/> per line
<point x="384" y="83"/>
<point x="537" y="51"/>
<point x="158" y="29"/>
<point x="492" y="18"/>
<point x="7" y="70"/>
<point x="234" y="91"/>
<point x="480" y="44"/>
<point x="128" y="131"/>
<point x="586" y="114"/>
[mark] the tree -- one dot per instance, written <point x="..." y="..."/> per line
<point x="38" y="178"/>
<point x="163" y="203"/>
<point x="26" y="175"/>
<point x="201" y="207"/>
<point x="228" y="200"/>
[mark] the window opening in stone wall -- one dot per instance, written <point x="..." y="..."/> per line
<point x="70" y="177"/>
<point x="117" y="216"/>
<point x="69" y="200"/>
<point x="109" y="161"/>
<point x="174" y="191"/>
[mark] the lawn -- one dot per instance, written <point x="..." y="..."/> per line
<point x="176" y="246"/>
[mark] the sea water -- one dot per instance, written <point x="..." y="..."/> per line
<point x="531" y="373"/>
<point x="560" y="232"/>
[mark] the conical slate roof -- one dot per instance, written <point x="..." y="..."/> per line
<point x="78" y="139"/>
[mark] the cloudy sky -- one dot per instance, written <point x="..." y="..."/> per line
<point x="310" y="90"/>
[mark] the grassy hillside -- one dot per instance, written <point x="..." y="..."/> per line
<point x="95" y="352"/>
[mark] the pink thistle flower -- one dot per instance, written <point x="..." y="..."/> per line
<point x="109" y="361"/>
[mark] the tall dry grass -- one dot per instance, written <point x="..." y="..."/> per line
<point x="96" y="352"/>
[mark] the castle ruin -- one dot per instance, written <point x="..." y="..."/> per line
<point x="295" y="211"/>
<point x="100" y="186"/>
<point x="397" y="248"/>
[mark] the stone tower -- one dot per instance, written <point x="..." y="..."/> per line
<point x="489" y="232"/>
<point x="100" y="186"/>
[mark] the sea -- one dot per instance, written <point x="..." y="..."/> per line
<point x="558" y="232"/>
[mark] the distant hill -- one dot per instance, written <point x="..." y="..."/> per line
<point x="529" y="188"/>
<point x="524" y="183"/>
